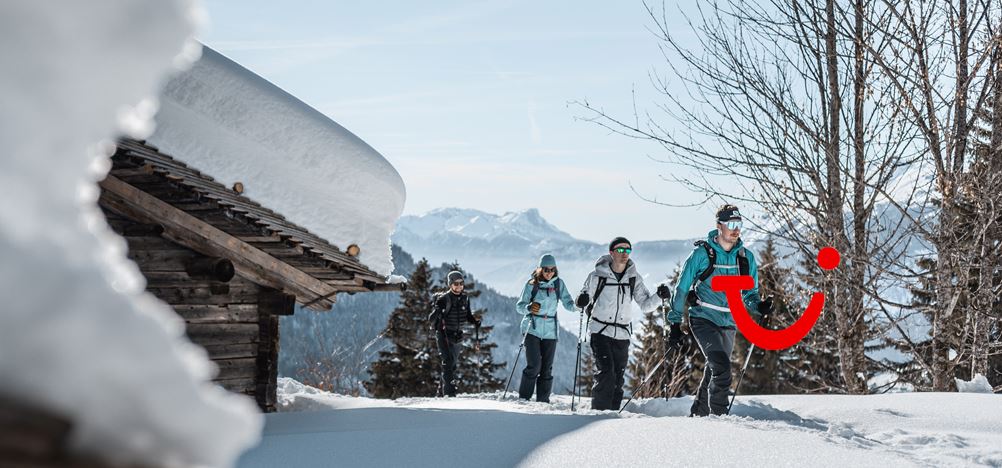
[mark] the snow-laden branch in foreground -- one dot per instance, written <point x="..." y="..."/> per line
<point x="78" y="336"/>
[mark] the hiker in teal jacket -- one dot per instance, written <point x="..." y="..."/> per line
<point x="710" y="318"/>
<point x="538" y="304"/>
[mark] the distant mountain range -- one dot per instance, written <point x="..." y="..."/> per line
<point x="501" y="250"/>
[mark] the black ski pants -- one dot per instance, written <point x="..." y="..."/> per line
<point x="448" y="347"/>
<point x="716" y="343"/>
<point x="538" y="371"/>
<point x="611" y="357"/>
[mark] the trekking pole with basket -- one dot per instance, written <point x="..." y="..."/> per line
<point x="751" y="349"/>
<point x="515" y="364"/>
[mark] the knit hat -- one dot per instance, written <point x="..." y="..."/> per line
<point x="619" y="240"/>
<point x="547" y="261"/>
<point x="454" y="276"/>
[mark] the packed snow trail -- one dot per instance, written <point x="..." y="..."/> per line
<point x="929" y="429"/>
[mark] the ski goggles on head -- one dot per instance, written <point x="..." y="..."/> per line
<point x="625" y="250"/>
<point x="732" y="225"/>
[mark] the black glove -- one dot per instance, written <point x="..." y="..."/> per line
<point x="675" y="336"/>
<point x="583" y="300"/>
<point x="663" y="291"/>
<point x="765" y="307"/>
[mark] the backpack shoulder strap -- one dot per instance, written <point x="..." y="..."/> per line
<point x="599" y="288"/>
<point x="743" y="266"/>
<point x="633" y="280"/>
<point x="448" y="302"/>
<point x="711" y="257"/>
<point x="535" y="290"/>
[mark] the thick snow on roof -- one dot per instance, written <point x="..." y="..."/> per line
<point x="901" y="429"/>
<point x="78" y="336"/>
<point x="235" y="126"/>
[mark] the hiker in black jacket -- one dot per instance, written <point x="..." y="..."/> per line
<point x="451" y="309"/>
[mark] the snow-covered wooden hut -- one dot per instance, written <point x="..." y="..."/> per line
<point x="243" y="203"/>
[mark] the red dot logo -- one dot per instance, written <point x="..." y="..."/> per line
<point x="828" y="258"/>
<point x="731" y="286"/>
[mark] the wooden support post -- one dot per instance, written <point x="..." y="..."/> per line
<point x="271" y="305"/>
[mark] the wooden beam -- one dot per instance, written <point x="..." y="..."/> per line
<point x="208" y="240"/>
<point x="390" y="287"/>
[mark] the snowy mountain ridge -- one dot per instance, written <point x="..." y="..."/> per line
<point x="526" y="224"/>
<point x="503" y="249"/>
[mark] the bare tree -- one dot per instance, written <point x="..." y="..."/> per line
<point x="759" y="116"/>
<point x="938" y="64"/>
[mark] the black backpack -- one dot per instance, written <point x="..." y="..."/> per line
<point x="711" y="254"/>
<point x="602" y="281"/>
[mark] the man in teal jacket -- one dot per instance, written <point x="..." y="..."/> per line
<point x="722" y="253"/>
<point x="538" y="303"/>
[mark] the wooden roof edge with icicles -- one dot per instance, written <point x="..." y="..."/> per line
<point x="202" y="214"/>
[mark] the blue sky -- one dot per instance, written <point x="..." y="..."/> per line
<point x="470" y="101"/>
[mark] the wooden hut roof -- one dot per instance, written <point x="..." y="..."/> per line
<point x="199" y="212"/>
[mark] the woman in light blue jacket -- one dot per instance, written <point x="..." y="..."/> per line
<point x="538" y="304"/>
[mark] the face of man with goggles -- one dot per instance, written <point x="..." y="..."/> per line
<point x="729" y="226"/>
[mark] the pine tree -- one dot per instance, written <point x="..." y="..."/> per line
<point x="650" y="352"/>
<point x="811" y="366"/>
<point x="409" y="368"/>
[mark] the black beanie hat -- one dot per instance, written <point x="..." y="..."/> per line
<point x="619" y="240"/>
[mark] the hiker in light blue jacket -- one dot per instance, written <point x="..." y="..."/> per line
<point x="538" y="304"/>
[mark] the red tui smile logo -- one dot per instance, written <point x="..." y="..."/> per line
<point x="731" y="286"/>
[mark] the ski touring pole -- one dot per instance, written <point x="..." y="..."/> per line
<point x="515" y="364"/>
<point x="577" y="361"/>
<point x="664" y="335"/>
<point x="741" y="377"/>
<point x="751" y="349"/>
<point x="480" y="363"/>
<point x="644" y="383"/>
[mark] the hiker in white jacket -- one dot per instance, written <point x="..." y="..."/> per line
<point x="606" y="297"/>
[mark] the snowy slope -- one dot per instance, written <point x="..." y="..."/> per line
<point x="929" y="429"/>
<point x="78" y="336"/>
<point x="235" y="126"/>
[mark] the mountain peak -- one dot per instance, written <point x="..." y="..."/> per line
<point x="471" y="223"/>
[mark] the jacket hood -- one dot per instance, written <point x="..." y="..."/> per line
<point x="604" y="266"/>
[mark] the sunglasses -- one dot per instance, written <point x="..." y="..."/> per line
<point x="457" y="283"/>
<point x="549" y="270"/>
<point x="732" y="225"/>
<point x="625" y="250"/>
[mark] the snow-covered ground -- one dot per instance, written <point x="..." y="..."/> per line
<point x="910" y="429"/>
